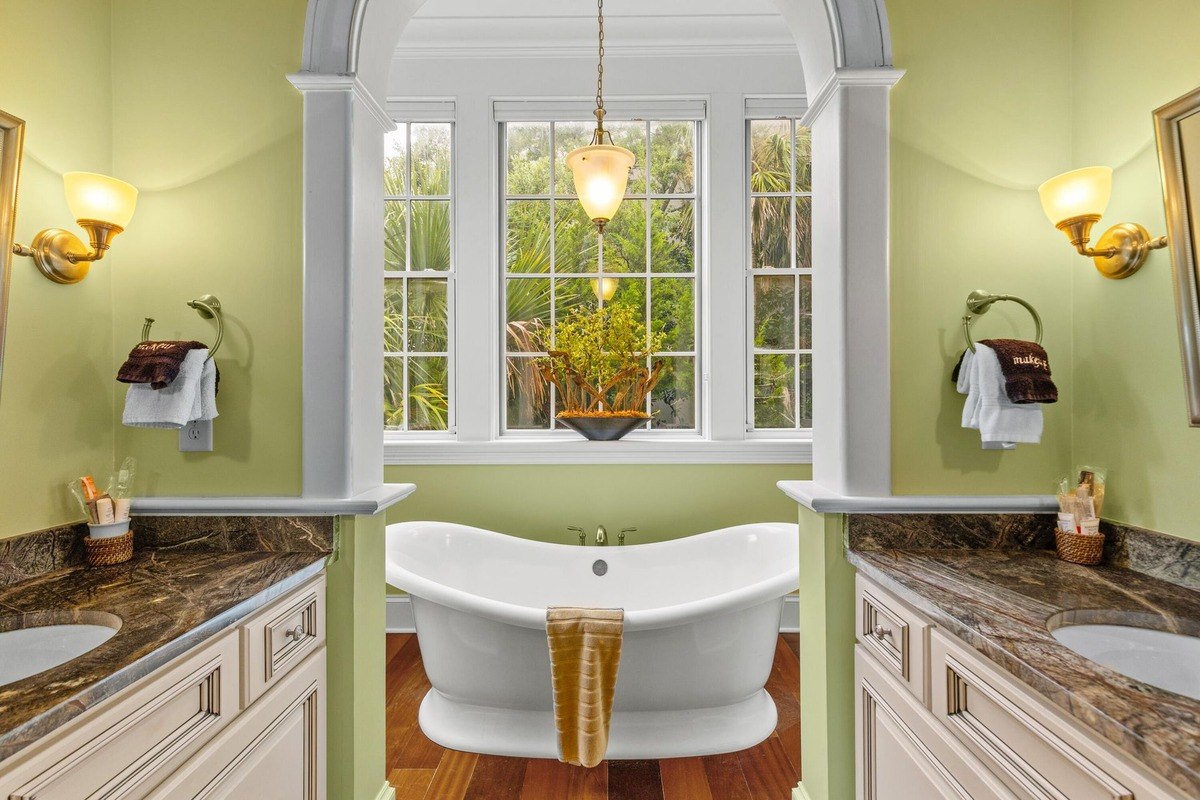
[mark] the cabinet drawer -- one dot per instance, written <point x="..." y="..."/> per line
<point x="280" y="637"/>
<point x="1012" y="733"/>
<point x="128" y="747"/>
<point x="895" y="634"/>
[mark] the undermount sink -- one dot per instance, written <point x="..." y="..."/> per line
<point x="37" y="642"/>
<point x="1169" y="661"/>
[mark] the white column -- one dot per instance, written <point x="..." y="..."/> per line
<point x="343" y="257"/>
<point x="852" y="432"/>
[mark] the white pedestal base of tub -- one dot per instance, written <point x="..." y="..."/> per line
<point x="632" y="735"/>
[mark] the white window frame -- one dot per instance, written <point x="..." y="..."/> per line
<point x="791" y="110"/>
<point x="722" y="407"/>
<point x="571" y="112"/>
<point x="440" y="111"/>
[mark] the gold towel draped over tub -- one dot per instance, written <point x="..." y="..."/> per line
<point x="585" y="652"/>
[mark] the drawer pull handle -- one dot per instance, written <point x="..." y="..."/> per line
<point x="295" y="634"/>
<point x="881" y="632"/>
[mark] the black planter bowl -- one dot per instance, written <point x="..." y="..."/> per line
<point x="603" y="429"/>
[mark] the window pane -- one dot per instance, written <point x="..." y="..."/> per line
<point x="393" y="393"/>
<point x="632" y="136"/>
<point x="528" y="158"/>
<point x="576" y="245"/>
<point x="394" y="234"/>
<point x="528" y="314"/>
<point x="673" y="306"/>
<point x="769" y="233"/>
<point x="428" y="316"/>
<point x="393" y="315"/>
<point x="803" y="230"/>
<point x="673" y="401"/>
<point x="430" y="227"/>
<point x="528" y="239"/>
<point x="672" y="235"/>
<point x="527" y="396"/>
<point x="804" y="364"/>
<point x="672" y="153"/>
<point x="805" y="342"/>
<point x="568" y="136"/>
<point x="803" y="158"/>
<point x="431" y="159"/>
<point x="631" y="292"/>
<point x="770" y="156"/>
<point x="395" y="159"/>
<point x="774" y="391"/>
<point x="774" y="312"/>
<point x="571" y="293"/>
<point x="625" y="238"/>
<point x="428" y="393"/>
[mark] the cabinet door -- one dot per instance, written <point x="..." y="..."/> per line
<point x="902" y="754"/>
<point x="276" y="750"/>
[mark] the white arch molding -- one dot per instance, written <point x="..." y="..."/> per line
<point x="845" y="51"/>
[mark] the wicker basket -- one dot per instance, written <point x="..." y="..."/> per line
<point x="1078" y="548"/>
<point x="106" y="552"/>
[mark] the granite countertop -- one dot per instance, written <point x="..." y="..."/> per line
<point x="999" y="602"/>
<point x="167" y="600"/>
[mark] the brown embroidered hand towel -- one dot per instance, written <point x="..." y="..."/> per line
<point x="585" y="652"/>
<point x="156" y="363"/>
<point x="1026" y="369"/>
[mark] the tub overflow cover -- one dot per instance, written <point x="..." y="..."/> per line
<point x="599" y="567"/>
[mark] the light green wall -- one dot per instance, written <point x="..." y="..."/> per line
<point x="1129" y="398"/>
<point x="206" y="124"/>
<point x="981" y="117"/>
<point x="56" y="400"/>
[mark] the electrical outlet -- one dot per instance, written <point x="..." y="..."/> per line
<point x="196" y="437"/>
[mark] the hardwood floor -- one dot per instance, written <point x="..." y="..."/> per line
<point x="420" y="770"/>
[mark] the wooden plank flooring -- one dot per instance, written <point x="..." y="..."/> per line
<point x="420" y="770"/>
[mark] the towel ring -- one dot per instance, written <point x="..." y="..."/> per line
<point x="978" y="303"/>
<point x="206" y="306"/>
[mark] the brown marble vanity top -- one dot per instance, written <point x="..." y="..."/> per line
<point x="168" y="601"/>
<point x="999" y="602"/>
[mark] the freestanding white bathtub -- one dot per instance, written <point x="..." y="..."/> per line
<point x="701" y="623"/>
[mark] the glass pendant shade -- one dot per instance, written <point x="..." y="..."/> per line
<point x="604" y="288"/>
<point x="601" y="173"/>
<point x="1079" y="193"/>
<point x="100" y="198"/>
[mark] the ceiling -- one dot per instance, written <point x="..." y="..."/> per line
<point x="566" y="28"/>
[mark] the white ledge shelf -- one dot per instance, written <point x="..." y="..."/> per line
<point x="825" y="501"/>
<point x="366" y="504"/>
<point x="631" y="450"/>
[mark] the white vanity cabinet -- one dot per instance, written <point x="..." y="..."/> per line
<point x="935" y="719"/>
<point x="241" y="715"/>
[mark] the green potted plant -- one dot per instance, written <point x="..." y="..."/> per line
<point x="600" y="363"/>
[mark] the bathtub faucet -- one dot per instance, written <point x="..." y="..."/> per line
<point x="621" y="535"/>
<point x="578" y="530"/>
<point x="601" y="536"/>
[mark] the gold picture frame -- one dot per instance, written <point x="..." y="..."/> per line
<point x="12" y="143"/>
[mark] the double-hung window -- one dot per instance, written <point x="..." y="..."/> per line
<point x="779" y="273"/>
<point x="419" y="269"/>
<point x="553" y="260"/>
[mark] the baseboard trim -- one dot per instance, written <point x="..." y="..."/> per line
<point x="400" y="614"/>
<point x="800" y="793"/>
<point x="388" y="792"/>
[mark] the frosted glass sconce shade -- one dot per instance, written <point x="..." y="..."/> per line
<point x="1079" y="193"/>
<point x="100" y="198"/>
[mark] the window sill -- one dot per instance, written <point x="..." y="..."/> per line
<point x="632" y="450"/>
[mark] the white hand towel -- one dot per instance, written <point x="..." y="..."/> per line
<point x="205" y="407"/>
<point x="1001" y="423"/>
<point x="172" y="406"/>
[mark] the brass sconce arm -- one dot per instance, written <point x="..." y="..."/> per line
<point x="62" y="257"/>
<point x="1122" y="249"/>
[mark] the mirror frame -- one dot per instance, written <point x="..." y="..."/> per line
<point x="12" y="142"/>
<point x="1185" y="268"/>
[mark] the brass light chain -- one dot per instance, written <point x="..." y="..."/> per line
<point x="599" y="135"/>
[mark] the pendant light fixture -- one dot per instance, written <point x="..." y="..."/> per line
<point x="601" y="170"/>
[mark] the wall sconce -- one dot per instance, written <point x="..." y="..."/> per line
<point x="1075" y="201"/>
<point x="604" y="288"/>
<point x="102" y="206"/>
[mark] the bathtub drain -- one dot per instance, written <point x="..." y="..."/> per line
<point x="599" y="567"/>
